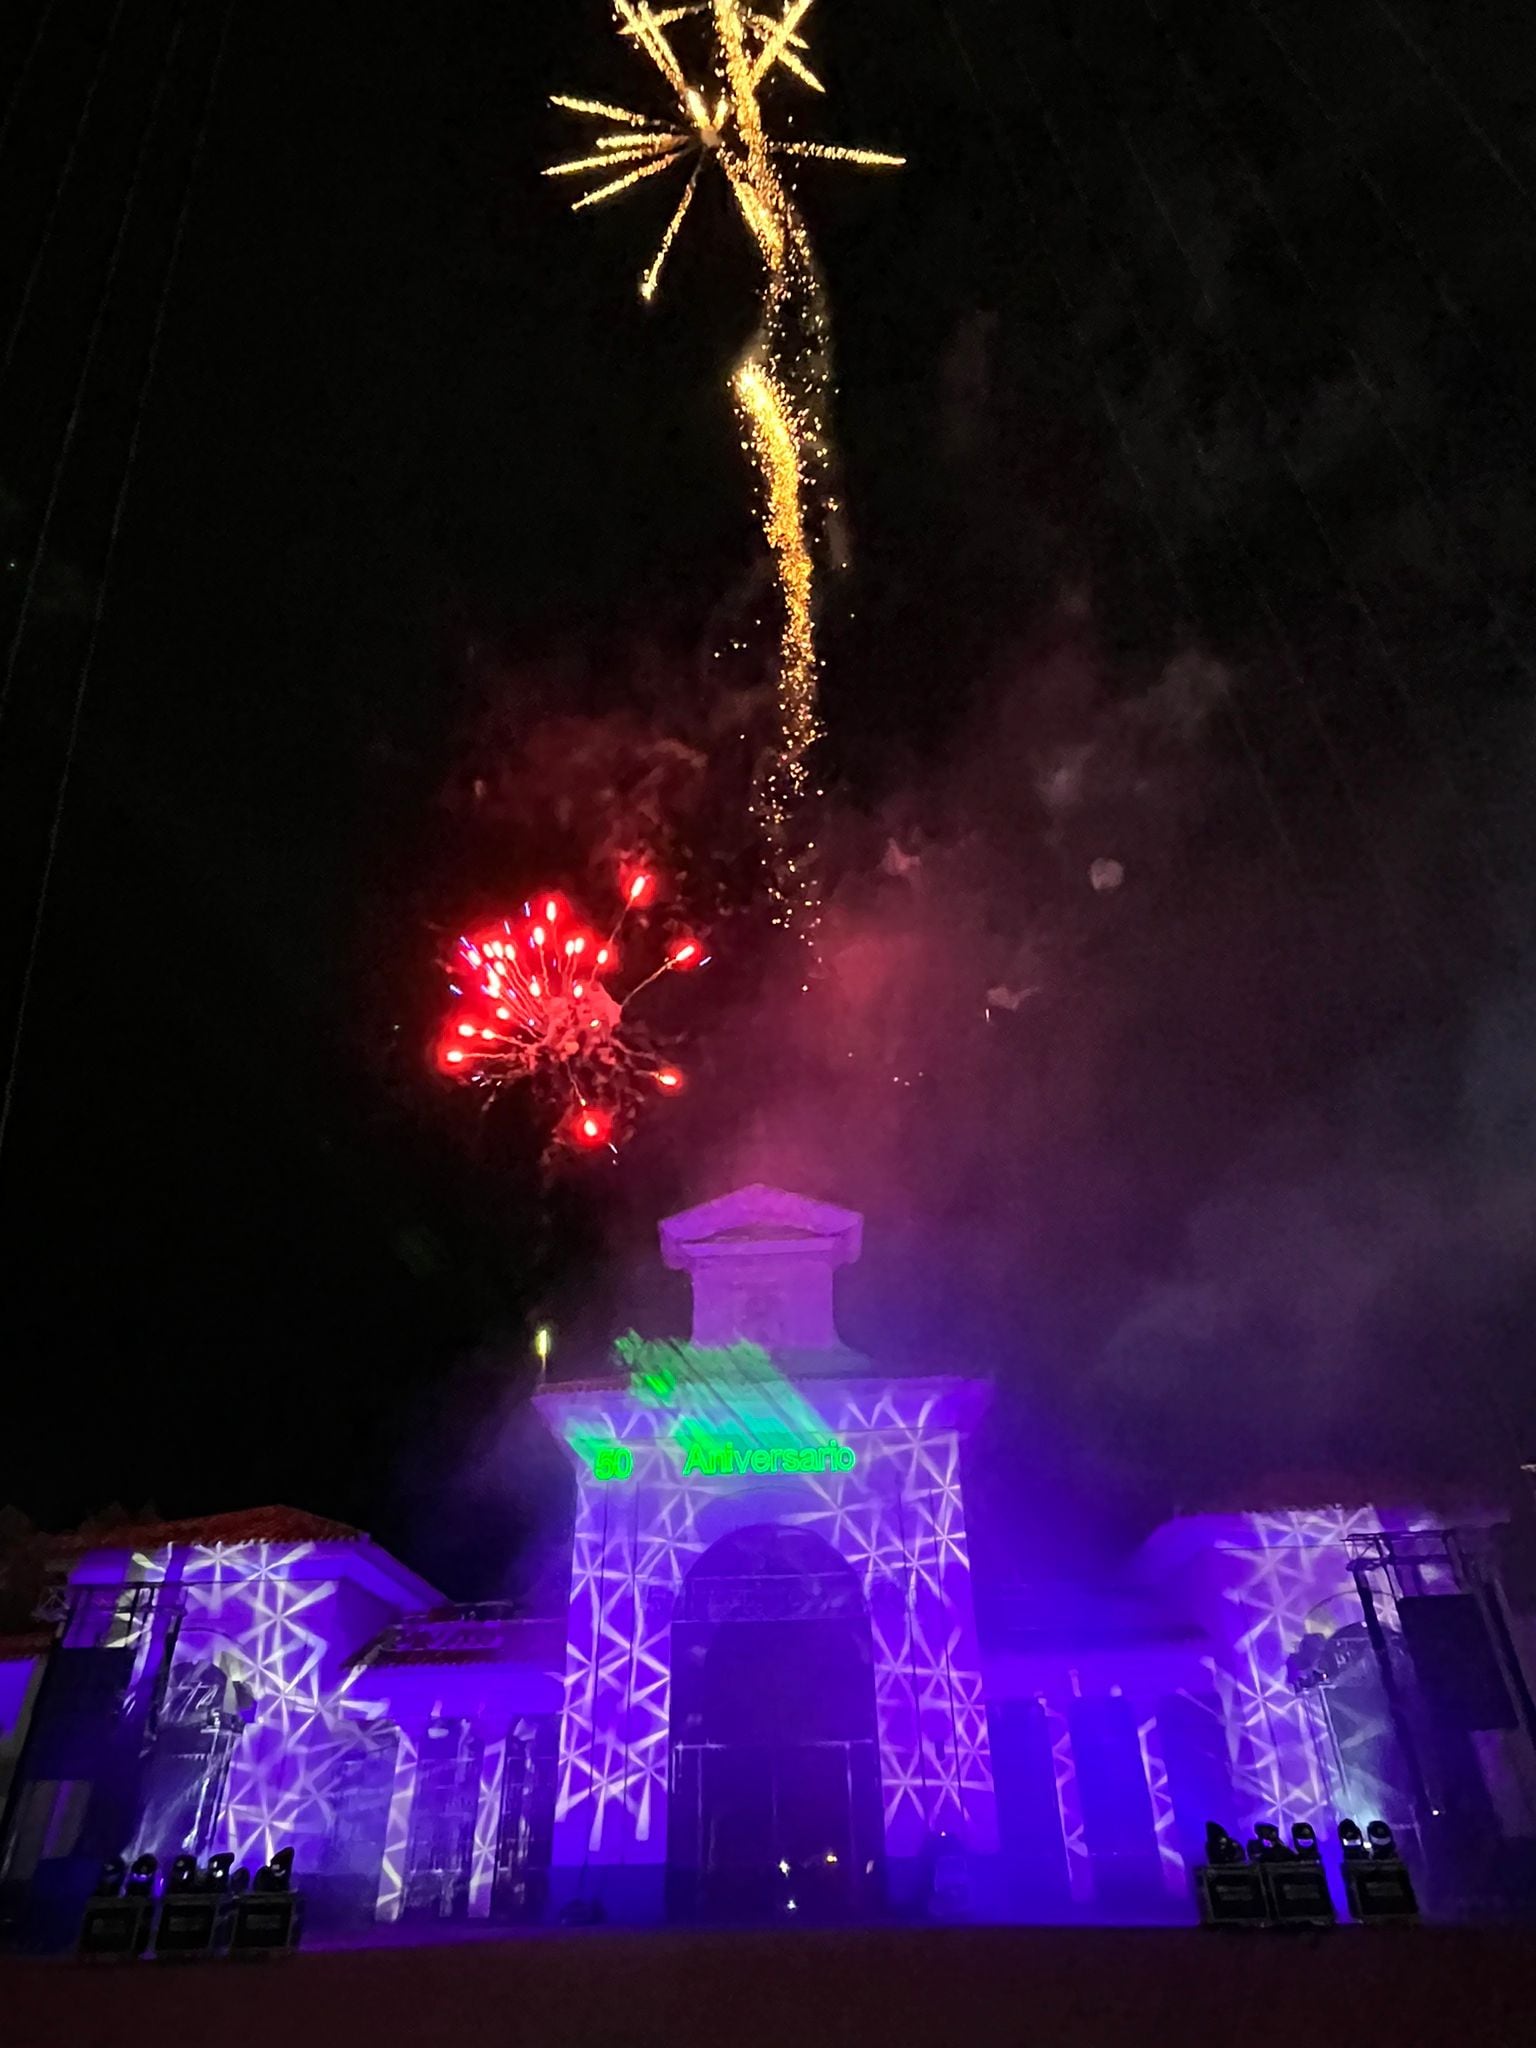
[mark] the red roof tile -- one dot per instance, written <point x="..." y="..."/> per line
<point x="34" y="1642"/>
<point x="243" y="1525"/>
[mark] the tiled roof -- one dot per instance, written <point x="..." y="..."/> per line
<point x="32" y="1642"/>
<point x="244" y="1525"/>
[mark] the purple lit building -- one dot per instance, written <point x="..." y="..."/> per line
<point x="777" y="1687"/>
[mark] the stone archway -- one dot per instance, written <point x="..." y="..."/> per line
<point x="774" y="1807"/>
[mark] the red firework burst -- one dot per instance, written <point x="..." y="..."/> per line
<point x="533" y="999"/>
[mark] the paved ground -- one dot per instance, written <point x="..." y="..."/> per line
<point x="952" y="1987"/>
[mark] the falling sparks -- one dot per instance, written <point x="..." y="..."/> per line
<point x="530" y="1001"/>
<point x="777" y="445"/>
<point x="781" y="385"/>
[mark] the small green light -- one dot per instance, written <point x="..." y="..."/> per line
<point x="542" y="1343"/>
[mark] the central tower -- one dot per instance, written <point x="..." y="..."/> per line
<point x="761" y="1262"/>
<point x="760" y="1517"/>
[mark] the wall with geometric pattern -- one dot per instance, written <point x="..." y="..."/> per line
<point x="1264" y="1587"/>
<point x="897" y="1517"/>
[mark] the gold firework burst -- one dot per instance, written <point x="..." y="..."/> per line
<point x="780" y="386"/>
<point x="718" y="121"/>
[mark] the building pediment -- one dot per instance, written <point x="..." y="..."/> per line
<point x="761" y="1215"/>
<point x="761" y="1261"/>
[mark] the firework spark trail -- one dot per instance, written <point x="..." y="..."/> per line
<point x="531" y="1001"/>
<point x="770" y="416"/>
<point x="781" y="388"/>
<point x="782" y="384"/>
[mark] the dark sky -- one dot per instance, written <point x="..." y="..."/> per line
<point x="1185" y="391"/>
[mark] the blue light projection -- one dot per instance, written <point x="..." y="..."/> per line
<point x="890" y="1505"/>
<point x="1271" y="1580"/>
<point x="272" y="1627"/>
<point x="1154" y="1767"/>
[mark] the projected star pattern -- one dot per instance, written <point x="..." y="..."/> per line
<point x="1069" y="1805"/>
<point x="397" y="1833"/>
<point x="1165" y="1825"/>
<point x="898" y="1519"/>
<point x="307" y="1722"/>
<point x="1284" y="1568"/>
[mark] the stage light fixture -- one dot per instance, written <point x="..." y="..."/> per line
<point x="1295" y="1879"/>
<point x="1229" y="1890"/>
<point x="276" y="1876"/>
<point x="1276" y="1886"/>
<point x="115" y="1924"/>
<point x="1351" y="1841"/>
<point x="1377" y="1882"/>
<point x="193" y="1913"/>
<point x="268" y="1919"/>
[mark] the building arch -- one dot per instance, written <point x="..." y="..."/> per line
<point x="774" y="1805"/>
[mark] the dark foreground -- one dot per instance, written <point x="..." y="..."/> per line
<point x="953" y="1987"/>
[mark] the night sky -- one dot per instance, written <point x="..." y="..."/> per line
<point x="1179" y="695"/>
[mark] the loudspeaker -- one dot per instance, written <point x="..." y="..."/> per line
<point x="264" y="1924"/>
<point x="115" y="1924"/>
<point x="1232" y="1895"/>
<point x="116" y="1930"/>
<point x="188" y="1924"/>
<point x="1299" y="1894"/>
<point x="1456" y="1664"/>
<point x="1379" y="1891"/>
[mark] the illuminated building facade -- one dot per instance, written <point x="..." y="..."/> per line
<point x="782" y="1684"/>
<point x="752" y="1507"/>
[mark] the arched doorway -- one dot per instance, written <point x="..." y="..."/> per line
<point x="774" y="1807"/>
